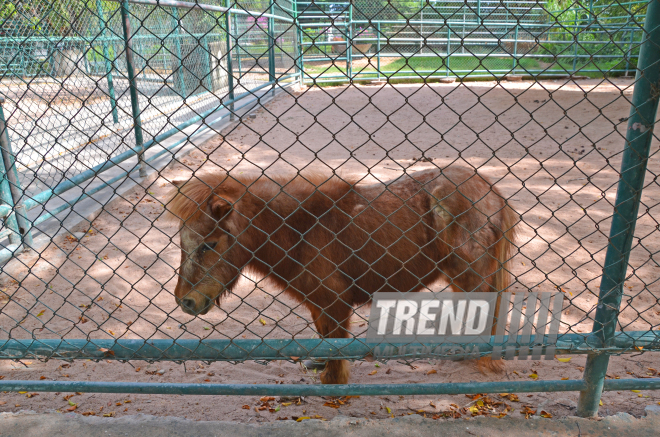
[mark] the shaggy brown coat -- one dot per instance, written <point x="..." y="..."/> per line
<point x="330" y="243"/>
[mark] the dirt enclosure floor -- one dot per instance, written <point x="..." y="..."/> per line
<point x="552" y="147"/>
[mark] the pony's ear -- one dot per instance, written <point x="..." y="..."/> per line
<point x="178" y="182"/>
<point x="217" y="207"/>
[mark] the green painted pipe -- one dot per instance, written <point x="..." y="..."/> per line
<point x="284" y="349"/>
<point x="451" y="388"/>
<point x="132" y="81"/>
<point x="639" y="136"/>
<point x="10" y="176"/>
<point x="179" y="53"/>
<point x="108" y="63"/>
<point x="230" y="65"/>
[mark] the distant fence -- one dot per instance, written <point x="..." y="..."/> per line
<point x="124" y="77"/>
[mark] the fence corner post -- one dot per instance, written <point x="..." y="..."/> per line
<point x="639" y="136"/>
<point x="18" y="221"/>
<point x="132" y="82"/>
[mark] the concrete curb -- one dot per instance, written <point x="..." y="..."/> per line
<point x="54" y="424"/>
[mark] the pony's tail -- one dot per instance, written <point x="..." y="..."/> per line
<point x="504" y="251"/>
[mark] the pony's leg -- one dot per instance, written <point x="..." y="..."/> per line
<point x="333" y="322"/>
<point x="477" y="276"/>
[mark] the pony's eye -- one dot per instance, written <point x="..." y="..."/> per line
<point x="208" y="246"/>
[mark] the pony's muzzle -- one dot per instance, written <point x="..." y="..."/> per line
<point x="195" y="307"/>
<point x="188" y="306"/>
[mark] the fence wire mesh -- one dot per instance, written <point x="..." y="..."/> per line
<point x="323" y="194"/>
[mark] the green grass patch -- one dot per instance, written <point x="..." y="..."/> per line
<point x="468" y="65"/>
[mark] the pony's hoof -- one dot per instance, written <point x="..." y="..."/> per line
<point x="315" y="364"/>
<point x="487" y="363"/>
<point x="336" y="372"/>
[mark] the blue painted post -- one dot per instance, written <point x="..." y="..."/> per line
<point x="271" y="47"/>
<point x="135" y="104"/>
<point x="230" y="69"/>
<point x="17" y="222"/>
<point x="103" y="33"/>
<point x="176" y="21"/>
<point x="626" y="206"/>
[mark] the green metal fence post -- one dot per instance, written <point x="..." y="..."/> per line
<point x="271" y="47"/>
<point x="576" y="39"/>
<point x="448" y="48"/>
<point x="378" y="49"/>
<point x="207" y="56"/>
<point x="515" y="50"/>
<point x="349" y="43"/>
<point x="179" y="54"/>
<point x="421" y="26"/>
<point x="230" y="69"/>
<point x="298" y="42"/>
<point x="19" y="224"/>
<point x="633" y="170"/>
<point x="108" y="63"/>
<point x="135" y="104"/>
<point x="629" y="53"/>
<point x="234" y="26"/>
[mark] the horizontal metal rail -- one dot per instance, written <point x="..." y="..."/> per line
<point x="447" y="388"/>
<point x="205" y="7"/>
<point x="284" y="349"/>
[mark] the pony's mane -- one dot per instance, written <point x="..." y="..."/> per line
<point x="187" y="199"/>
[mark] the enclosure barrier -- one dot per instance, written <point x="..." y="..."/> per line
<point x="116" y="36"/>
<point x="147" y="90"/>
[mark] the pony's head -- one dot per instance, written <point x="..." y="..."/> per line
<point x="211" y="258"/>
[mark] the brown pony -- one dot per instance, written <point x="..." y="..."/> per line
<point x="330" y="243"/>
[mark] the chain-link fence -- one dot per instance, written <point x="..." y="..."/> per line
<point x="73" y="98"/>
<point x="312" y="195"/>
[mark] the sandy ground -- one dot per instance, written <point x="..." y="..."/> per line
<point x="553" y="147"/>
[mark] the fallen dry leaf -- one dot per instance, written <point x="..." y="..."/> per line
<point x="107" y="352"/>
<point x="431" y="372"/>
<point x="373" y="372"/>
